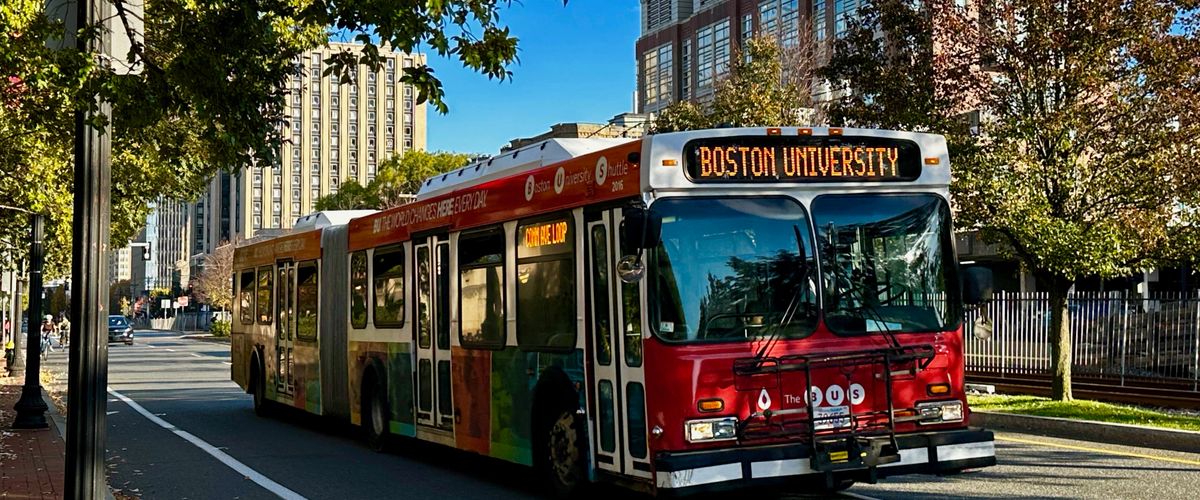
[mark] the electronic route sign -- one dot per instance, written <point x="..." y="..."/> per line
<point x="801" y="159"/>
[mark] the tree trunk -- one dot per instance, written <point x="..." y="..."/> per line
<point x="1060" y="340"/>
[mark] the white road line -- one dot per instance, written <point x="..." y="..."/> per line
<point x="241" y="468"/>
<point x="150" y="345"/>
<point x="197" y="355"/>
<point x="228" y="363"/>
<point x="172" y="350"/>
<point x="856" y="495"/>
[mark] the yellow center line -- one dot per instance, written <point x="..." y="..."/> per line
<point x="1100" y="450"/>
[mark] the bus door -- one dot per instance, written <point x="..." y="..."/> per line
<point x="434" y="401"/>
<point x="285" y="326"/>
<point x="616" y="329"/>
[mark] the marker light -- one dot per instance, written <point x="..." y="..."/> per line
<point x="710" y="405"/>
<point x="669" y="163"/>
<point x="804" y="131"/>
<point x="938" y="389"/>
<point x="933" y="161"/>
<point x="835" y="131"/>
<point x="774" y="131"/>
<point x="712" y="429"/>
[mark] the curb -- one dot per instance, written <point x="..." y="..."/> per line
<point x="204" y="337"/>
<point x="1083" y="430"/>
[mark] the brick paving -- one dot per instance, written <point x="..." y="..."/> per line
<point x="32" y="462"/>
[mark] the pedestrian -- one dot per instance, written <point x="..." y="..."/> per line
<point x="49" y="332"/>
<point x="64" y="330"/>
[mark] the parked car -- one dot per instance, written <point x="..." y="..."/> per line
<point x="120" y="329"/>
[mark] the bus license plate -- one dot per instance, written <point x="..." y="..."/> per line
<point x="832" y="411"/>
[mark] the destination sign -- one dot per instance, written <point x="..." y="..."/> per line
<point x="544" y="238"/>
<point x="802" y="159"/>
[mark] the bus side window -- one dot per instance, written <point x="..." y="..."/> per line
<point x="546" y="285"/>
<point x="358" y="289"/>
<point x="481" y="285"/>
<point x="306" y="299"/>
<point x="265" y="309"/>
<point x="388" y="278"/>
<point x="246" y="297"/>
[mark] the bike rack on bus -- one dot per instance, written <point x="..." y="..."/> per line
<point x="871" y="436"/>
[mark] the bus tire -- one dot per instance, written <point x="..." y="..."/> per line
<point x="258" y="388"/>
<point x="564" y="455"/>
<point x="375" y="413"/>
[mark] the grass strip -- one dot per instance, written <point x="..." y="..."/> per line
<point x="1084" y="410"/>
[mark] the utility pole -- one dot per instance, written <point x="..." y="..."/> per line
<point x="31" y="408"/>
<point x="88" y="370"/>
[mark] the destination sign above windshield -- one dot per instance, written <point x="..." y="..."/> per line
<point x="802" y="159"/>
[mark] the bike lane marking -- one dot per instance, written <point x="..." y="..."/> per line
<point x="278" y="489"/>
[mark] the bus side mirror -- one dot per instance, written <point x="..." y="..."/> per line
<point x="640" y="229"/>
<point x="977" y="286"/>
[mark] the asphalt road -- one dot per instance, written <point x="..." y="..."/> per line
<point x="207" y="443"/>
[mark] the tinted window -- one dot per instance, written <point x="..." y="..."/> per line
<point x="546" y="286"/>
<point x="265" y="308"/>
<point x="600" y="296"/>
<point x="481" y="285"/>
<point x="388" y="274"/>
<point x="631" y="298"/>
<point x="306" y="300"/>
<point x="246" y="297"/>
<point x="443" y="296"/>
<point x="424" y="293"/>
<point x="358" y="290"/>
<point x="117" y="322"/>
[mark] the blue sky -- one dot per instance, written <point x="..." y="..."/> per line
<point x="577" y="64"/>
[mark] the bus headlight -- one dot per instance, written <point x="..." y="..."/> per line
<point x="937" y="412"/>
<point x="711" y="429"/>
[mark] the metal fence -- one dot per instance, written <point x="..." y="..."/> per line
<point x="1115" y="336"/>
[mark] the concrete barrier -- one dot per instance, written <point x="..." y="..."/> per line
<point x="1083" y="430"/>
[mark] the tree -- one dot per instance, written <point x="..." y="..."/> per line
<point x="767" y="85"/>
<point x="118" y="291"/>
<point x="396" y="181"/>
<point x="214" y="285"/>
<point x="399" y="177"/>
<point x="1083" y="160"/>
<point x="211" y="95"/>
<point x="350" y="196"/>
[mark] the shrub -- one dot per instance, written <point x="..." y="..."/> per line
<point x="219" y="328"/>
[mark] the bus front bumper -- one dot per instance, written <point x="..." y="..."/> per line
<point x="941" y="452"/>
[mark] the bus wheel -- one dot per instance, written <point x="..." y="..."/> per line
<point x="375" y="414"/>
<point x="564" y="458"/>
<point x="259" y="387"/>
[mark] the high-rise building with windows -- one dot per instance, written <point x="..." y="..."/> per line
<point x="335" y="132"/>
<point x="686" y="45"/>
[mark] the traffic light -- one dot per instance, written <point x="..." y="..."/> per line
<point x="146" y="252"/>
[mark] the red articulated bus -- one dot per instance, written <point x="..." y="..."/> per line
<point x="679" y="313"/>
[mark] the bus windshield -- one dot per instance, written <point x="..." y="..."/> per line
<point x="732" y="269"/>
<point x="886" y="263"/>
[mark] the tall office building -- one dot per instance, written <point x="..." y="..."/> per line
<point x="335" y="132"/>
<point x="167" y="233"/>
<point x="685" y="46"/>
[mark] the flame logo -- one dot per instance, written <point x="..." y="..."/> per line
<point x="764" y="400"/>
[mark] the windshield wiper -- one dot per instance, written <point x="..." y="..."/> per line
<point x="865" y="306"/>
<point x="793" y="304"/>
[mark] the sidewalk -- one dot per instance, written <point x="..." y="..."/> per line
<point x="32" y="462"/>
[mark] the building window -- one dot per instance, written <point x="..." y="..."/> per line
<point x="768" y="16"/>
<point x="546" y="285"/>
<point x="481" y="284"/>
<point x="712" y="53"/>
<point x="358" y="290"/>
<point x="685" y="61"/>
<point x="845" y="11"/>
<point x="658" y="13"/>
<point x="789" y="26"/>
<point x="818" y="20"/>
<point x="388" y="277"/>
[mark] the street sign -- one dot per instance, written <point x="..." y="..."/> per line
<point x="165" y="303"/>
<point x="183" y="301"/>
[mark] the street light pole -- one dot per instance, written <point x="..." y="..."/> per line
<point x="88" y="370"/>
<point x="31" y="408"/>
